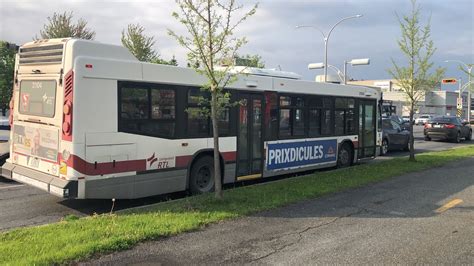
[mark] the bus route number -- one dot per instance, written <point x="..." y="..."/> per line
<point x="37" y="85"/>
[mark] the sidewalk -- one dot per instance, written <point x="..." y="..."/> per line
<point x="392" y="222"/>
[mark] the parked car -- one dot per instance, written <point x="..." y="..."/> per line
<point x="393" y="136"/>
<point x="447" y="127"/>
<point x="406" y="118"/>
<point x="422" y="119"/>
<point x="403" y="124"/>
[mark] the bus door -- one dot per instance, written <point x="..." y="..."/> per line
<point x="249" y="137"/>
<point x="367" y="129"/>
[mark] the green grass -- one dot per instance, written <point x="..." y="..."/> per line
<point x="74" y="239"/>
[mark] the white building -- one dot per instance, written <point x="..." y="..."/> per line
<point x="436" y="102"/>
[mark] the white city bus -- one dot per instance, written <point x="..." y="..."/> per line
<point x="88" y="120"/>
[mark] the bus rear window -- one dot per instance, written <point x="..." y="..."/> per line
<point x="37" y="97"/>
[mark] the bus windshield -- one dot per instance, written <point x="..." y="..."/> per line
<point x="38" y="97"/>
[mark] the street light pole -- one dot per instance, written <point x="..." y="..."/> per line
<point x="353" y="62"/>
<point x="326" y="39"/>
<point x="469" y="71"/>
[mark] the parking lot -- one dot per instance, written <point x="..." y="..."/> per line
<point x="23" y="205"/>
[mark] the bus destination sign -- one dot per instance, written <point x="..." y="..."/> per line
<point x="286" y="155"/>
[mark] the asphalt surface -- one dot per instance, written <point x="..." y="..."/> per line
<point x="406" y="220"/>
<point x="22" y="205"/>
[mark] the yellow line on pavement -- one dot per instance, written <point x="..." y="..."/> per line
<point x="448" y="205"/>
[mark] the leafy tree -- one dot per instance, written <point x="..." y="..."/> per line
<point x="62" y="26"/>
<point x="7" y="66"/>
<point x="193" y="65"/>
<point x="210" y="41"/>
<point x="250" y="61"/>
<point x="141" y="45"/>
<point x="415" y="78"/>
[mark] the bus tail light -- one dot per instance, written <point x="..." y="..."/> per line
<point x="67" y="106"/>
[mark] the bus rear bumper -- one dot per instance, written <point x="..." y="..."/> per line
<point x="49" y="183"/>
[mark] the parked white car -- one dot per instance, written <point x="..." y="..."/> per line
<point x="422" y="119"/>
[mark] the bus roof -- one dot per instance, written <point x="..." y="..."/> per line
<point x="115" y="61"/>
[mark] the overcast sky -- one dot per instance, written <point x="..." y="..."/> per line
<point x="271" y="31"/>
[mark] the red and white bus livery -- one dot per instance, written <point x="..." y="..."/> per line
<point x="88" y="120"/>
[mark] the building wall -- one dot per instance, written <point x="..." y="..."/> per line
<point x="436" y="102"/>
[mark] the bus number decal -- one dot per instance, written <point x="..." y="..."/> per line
<point x="300" y="153"/>
<point x="37" y="85"/>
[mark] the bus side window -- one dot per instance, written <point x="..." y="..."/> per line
<point x="344" y="119"/>
<point x="197" y="123"/>
<point x="163" y="112"/>
<point x="134" y="103"/>
<point x="285" y="117"/>
<point x="327" y="121"/>
<point x="271" y="116"/>
<point x="298" y="117"/>
<point x="314" y="122"/>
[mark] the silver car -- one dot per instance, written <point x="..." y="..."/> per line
<point x="422" y="119"/>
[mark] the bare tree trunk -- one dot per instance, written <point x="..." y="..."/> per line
<point x="215" y="134"/>
<point x="412" y="139"/>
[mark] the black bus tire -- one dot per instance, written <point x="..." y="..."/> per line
<point x="345" y="156"/>
<point x="201" y="178"/>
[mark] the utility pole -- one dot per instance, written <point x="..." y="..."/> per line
<point x="468" y="85"/>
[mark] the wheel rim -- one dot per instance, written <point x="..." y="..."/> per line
<point x="384" y="147"/>
<point x="204" y="178"/>
<point x="458" y="137"/>
<point x="344" y="157"/>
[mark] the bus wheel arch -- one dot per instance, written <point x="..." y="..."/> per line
<point x="345" y="156"/>
<point x="199" y="158"/>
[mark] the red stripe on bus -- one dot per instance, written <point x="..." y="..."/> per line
<point x="87" y="168"/>
<point x="355" y="143"/>
<point x="183" y="161"/>
<point x="229" y="156"/>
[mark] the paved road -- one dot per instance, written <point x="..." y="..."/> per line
<point x="22" y="205"/>
<point x="400" y="221"/>
<point x="423" y="146"/>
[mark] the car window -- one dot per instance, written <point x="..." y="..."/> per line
<point x="395" y="125"/>
<point x="444" y="120"/>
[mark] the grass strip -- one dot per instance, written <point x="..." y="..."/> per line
<point x="75" y="239"/>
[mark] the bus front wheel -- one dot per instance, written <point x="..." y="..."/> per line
<point x="344" y="157"/>
<point x="201" y="179"/>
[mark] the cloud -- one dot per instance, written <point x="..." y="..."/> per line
<point x="271" y="31"/>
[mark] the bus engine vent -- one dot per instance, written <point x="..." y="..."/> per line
<point x="50" y="54"/>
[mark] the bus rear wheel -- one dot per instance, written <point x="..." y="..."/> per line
<point x="201" y="179"/>
<point x="345" y="155"/>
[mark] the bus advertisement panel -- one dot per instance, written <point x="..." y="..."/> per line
<point x="36" y="141"/>
<point x="296" y="154"/>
